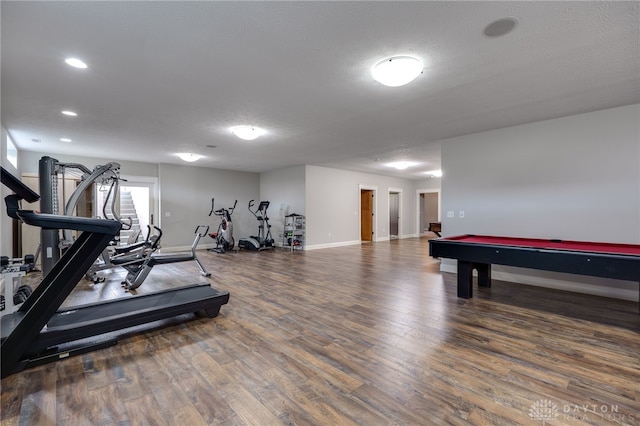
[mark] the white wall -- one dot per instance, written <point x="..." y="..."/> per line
<point x="29" y="160"/>
<point x="333" y="206"/>
<point x="185" y="202"/>
<point x="574" y="178"/>
<point x="285" y="190"/>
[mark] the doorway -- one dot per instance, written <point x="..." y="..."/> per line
<point x="395" y="203"/>
<point x="367" y="207"/>
<point x="136" y="204"/>
<point x="428" y="202"/>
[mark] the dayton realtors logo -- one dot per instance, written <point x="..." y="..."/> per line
<point x="545" y="411"/>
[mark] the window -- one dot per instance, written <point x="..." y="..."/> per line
<point x="12" y="152"/>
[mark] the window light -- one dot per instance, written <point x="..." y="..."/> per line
<point x="397" y="71"/>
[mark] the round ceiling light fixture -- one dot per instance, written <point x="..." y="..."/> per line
<point x="248" y="133"/>
<point x="76" y="63"/>
<point x="402" y="165"/>
<point x="397" y="71"/>
<point x="189" y="157"/>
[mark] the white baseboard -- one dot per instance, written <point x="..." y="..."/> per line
<point x="331" y="245"/>
<point x="617" y="289"/>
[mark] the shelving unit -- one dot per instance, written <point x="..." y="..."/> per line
<point x="293" y="236"/>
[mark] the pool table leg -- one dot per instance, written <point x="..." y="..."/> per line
<point x="484" y="274"/>
<point x="465" y="277"/>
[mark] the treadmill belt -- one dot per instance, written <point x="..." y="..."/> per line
<point x="89" y="320"/>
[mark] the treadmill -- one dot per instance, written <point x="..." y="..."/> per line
<point x="38" y="332"/>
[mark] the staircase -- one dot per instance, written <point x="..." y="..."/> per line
<point x="128" y="210"/>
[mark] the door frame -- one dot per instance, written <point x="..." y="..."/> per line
<point x="399" y="192"/>
<point x="152" y="184"/>
<point x="374" y="224"/>
<point x="427" y="191"/>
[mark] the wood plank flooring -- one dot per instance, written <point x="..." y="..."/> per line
<point x="358" y="335"/>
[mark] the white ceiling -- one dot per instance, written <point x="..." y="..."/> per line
<point x="168" y="77"/>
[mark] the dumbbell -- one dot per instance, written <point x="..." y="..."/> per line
<point x="25" y="289"/>
<point x="21" y="296"/>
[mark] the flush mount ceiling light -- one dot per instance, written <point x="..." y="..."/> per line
<point x="76" y="63"/>
<point x="247" y="133"/>
<point x="70" y="113"/>
<point x="402" y="165"/>
<point x="189" y="157"/>
<point x="397" y="71"/>
<point x="65" y="140"/>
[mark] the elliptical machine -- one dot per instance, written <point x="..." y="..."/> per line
<point x="264" y="240"/>
<point x="224" y="235"/>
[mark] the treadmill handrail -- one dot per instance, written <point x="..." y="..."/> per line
<point x="54" y="221"/>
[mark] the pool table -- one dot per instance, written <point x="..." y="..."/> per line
<point x="479" y="252"/>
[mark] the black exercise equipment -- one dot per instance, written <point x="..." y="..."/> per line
<point x="38" y="333"/>
<point x="139" y="270"/>
<point x="264" y="240"/>
<point x="224" y="234"/>
<point x="124" y="256"/>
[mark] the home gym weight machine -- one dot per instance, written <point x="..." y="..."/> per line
<point x="264" y="240"/>
<point x="38" y="332"/>
<point x="50" y="170"/>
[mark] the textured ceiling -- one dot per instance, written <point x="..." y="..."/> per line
<point x="168" y="77"/>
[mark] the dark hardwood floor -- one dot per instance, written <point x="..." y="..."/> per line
<point x="358" y="335"/>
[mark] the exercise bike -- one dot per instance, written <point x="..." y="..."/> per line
<point x="264" y="240"/>
<point x="224" y="235"/>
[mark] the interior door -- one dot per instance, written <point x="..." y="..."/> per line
<point x="394" y="214"/>
<point x="366" y="215"/>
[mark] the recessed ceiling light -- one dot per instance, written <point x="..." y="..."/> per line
<point x="247" y="133"/>
<point x="500" y="27"/>
<point x="401" y="165"/>
<point x="435" y="173"/>
<point x="70" y="113"/>
<point x="189" y="157"/>
<point x="76" y="63"/>
<point x="397" y="71"/>
<point x="65" y="140"/>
